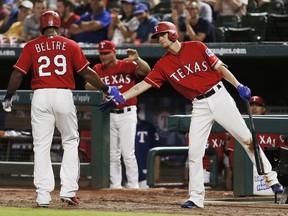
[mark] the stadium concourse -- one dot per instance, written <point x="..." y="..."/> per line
<point x="152" y="200"/>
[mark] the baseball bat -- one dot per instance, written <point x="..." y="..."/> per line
<point x="256" y="147"/>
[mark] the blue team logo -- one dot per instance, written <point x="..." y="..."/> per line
<point x="209" y="52"/>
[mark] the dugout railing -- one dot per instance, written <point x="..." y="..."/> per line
<point x="97" y="170"/>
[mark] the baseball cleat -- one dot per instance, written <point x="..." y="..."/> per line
<point x="277" y="188"/>
<point x="70" y="200"/>
<point x="189" y="204"/>
<point x="43" y="205"/>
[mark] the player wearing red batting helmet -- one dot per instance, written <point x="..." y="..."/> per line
<point x="49" y="19"/>
<point x="52" y="60"/>
<point x="166" y="27"/>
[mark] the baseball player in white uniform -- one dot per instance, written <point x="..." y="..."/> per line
<point x="196" y="72"/>
<point x="52" y="60"/>
<point x="123" y="118"/>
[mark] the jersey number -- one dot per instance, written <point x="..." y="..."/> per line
<point x="59" y="61"/>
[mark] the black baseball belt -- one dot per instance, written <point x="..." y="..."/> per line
<point x="208" y="93"/>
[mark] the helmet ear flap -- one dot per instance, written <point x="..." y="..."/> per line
<point x="172" y="36"/>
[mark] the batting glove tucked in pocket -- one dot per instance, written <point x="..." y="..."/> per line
<point x="7" y="105"/>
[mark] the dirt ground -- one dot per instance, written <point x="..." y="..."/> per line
<point x="156" y="200"/>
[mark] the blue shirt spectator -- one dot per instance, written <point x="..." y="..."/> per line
<point x="147" y="24"/>
<point x="92" y="27"/>
<point x="196" y="28"/>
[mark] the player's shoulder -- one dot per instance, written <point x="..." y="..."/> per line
<point x="62" y="38"/>
<point x="192" y="44"/>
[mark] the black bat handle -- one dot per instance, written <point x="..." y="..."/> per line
<point x="256" y="147"/>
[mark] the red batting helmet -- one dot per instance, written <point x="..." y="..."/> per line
<point x="49" y="19"/>
<point x="168" y="27"/>
<point x="257" y="100"/>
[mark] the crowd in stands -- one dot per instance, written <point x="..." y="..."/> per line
<point x="133" y="21"/>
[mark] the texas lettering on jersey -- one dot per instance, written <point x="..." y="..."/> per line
<point x="215" y="143"/>
<point x="117" y="79"/>
<point x="191" y="72"/>
<point x="188" y="69"/>
<point x="122" y="74"/>
<point x="270" y="140"/>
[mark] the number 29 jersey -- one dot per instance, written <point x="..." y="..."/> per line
<point x="52" y="60"/>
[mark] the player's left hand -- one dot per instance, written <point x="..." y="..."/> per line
<point x="244" y="92"/>
<point x="114" y="94"/>
<point x="132" y="55"/>
<point x="108" y="105"/>
<point x="7" y="105"/>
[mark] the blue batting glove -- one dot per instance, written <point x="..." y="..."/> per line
<point x="108" y="105"/>
<point x="114" y="93"/>
<point x="244" y="92"/>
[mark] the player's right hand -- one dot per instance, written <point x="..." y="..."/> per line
<point x="244" y="92"/>
<point x="7" y="105"/>
<point x="108" y="105"/>
<point x="114" y="93"/>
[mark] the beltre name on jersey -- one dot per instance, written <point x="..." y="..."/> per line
<point x="50" y="45"/>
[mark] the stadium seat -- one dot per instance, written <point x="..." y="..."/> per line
<point x="258" y="21"/>
<point x="227" y="21"/>
<point x="252" y="6"/>
<point x="219" y="33"/>
<point x="276" y="6"/>
<point x="161" y="7"/>
<point x="277" y="29"/>
<point x="239" y="34"/>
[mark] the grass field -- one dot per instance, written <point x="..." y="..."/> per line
<point x="11" y="211"/>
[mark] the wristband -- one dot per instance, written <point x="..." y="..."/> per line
<point x="105" y="88"/>
<point x="8" y="96"/>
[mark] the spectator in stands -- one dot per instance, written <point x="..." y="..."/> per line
<point x="111" y="4"/>
<point x="83" y="7"/>
<point x="265" y="140"/>
<point x="231" y="7"/>
<point x="178" y="15"/>
<point x="4" y="12"/>
<point x="261" y="2"/>
<point x="211" y="3"/>
<point x="145" y="139"/>
<point x="197" y="28"/>
<point x="15" y="30"/>
<point x="16" y="14"/>
<point x="123" y="27"/>
<point x="31" y="24"/>
<point x="205" y="10"/>
<point x="68" y="17"/>
<point x="92" y="27"/>
<point x="146" y="26"/>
